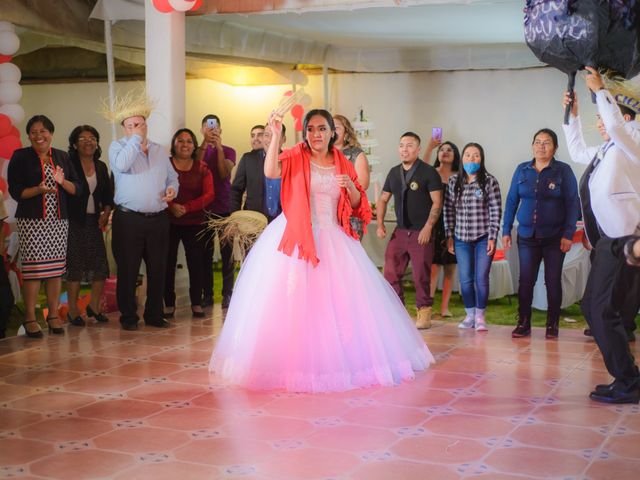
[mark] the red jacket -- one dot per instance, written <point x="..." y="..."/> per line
<point x="296" y="203"/>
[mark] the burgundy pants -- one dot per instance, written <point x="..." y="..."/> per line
<point x="403" y="247"/>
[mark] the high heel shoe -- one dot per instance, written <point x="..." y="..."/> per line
<point x="99" y="317"/>
<point x="54" y="330"/>
<point x="196" y="314"/>
<point x="169" y="313"/>
<point x="77" y="321"/>
<point x="36" y="334"/>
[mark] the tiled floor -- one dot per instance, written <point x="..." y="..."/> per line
<point x="104" y="403"/>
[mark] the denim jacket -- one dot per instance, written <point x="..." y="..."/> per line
<point x="546" y="203"/>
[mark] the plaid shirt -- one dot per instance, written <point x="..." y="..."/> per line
<point x="476" y="213"/>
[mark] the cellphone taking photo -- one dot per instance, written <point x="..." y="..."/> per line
<point x="436" y="133"/>
<point x="212" y="123"/>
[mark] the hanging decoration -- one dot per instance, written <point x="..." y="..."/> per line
<point x="11" y="112"/>
<point x="170" y="6"/>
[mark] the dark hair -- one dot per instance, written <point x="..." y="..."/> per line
<point x="284" y="129"/>
<point x="481" y="176"/>
<point x="193" y="137"/>
<point x="324" y="114"/>
<point x="551" y="133"/>
<point x="211" y="115"/>
<point x="73" y="140"/>
<point x="412" y="135"/>
<point x="627" y="111"/>
<point x="456" y="156"/>
<point x="46" y="123"/>
<point x="261" y="127"/>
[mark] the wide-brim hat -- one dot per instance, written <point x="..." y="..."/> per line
<point x="242" y="226"/>
<point x="625" y="92"/>
<point x="134" y="103"/>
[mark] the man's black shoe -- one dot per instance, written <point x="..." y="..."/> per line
<point x="604" y="387"/>
<point x="129" y="326"/>
<point x="631" y="336"/>
<point x="160" y="323"/>
<point x="587" y="332"/>
<point x="615" y="395"/>
<point x="226" y="300"/>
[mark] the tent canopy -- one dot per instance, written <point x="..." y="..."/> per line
<point x="344" y="35"/>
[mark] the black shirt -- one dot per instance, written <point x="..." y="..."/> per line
<point x="411" y="190"/>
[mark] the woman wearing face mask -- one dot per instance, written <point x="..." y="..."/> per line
<point x="544" y="194"/>
<point x="472" y="211"/>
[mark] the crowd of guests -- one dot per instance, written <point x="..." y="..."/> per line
<point x="447" y="216"/>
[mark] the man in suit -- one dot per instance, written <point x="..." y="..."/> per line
<point x="263" y="194"/>
<point x="610" y="198"/>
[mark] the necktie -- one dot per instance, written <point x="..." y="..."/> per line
<point x="590" y="222"/>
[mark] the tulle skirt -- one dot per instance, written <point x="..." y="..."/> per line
<point x="334" y="327"/>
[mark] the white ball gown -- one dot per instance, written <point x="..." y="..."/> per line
<point x="334" y="327"/>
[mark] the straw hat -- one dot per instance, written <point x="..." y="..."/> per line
<point x="243" y="226"/>
<point x="134" y="103"/>
<point x="625" y="92"/>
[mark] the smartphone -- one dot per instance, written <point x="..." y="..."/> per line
<point x="436" y="133"/>
<point x="212" y="123"/>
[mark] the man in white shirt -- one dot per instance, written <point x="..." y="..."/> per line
<point x="610" y="198"/>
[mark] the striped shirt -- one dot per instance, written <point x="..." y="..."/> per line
<point x="475" y="213"/>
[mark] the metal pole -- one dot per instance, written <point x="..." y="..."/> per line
<point x="111" y="78"/>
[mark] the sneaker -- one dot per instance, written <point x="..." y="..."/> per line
<point x="481" y="325"/>
<point x="468" y="322"/>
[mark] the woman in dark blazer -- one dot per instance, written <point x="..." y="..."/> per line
<point x="42" y="179"/>
<point x="88" y="216"/>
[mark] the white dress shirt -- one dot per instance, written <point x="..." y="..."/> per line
<point x="615" y="182"/>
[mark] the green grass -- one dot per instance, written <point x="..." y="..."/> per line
<point x="502" y="311"/>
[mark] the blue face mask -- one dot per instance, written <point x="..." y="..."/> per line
<point x="471" y="168"/>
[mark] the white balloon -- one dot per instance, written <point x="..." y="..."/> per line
<point x="306" y="100"/>
<point x="9" y="73"/>
<point x="299" y="78"/>
<point x="7" y="27"/>
<point x="14" y="111"/>
<point x="10" y="93"/>
<point x="182" y="5"/>
<point x="9" y="43"/>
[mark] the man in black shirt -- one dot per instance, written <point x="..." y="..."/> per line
<point x="417" y="191"/>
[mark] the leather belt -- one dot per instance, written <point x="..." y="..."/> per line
<point x="142" y="214"/>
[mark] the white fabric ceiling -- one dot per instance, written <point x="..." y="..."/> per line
<point x="355" y="35"/>
<point x="344" y="35"/>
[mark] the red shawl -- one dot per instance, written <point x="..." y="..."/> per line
<point x="296" y="203"/>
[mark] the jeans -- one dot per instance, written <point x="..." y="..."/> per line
<point x="532" y="251"/>
<point x="474" y="266"/>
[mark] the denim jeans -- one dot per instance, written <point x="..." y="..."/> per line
<point x="532" y="251"/>
<point x="473" y="266"/>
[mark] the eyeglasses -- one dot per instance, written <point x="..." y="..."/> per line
<point x="87" y="139"/>
<point x="546" y="144"/>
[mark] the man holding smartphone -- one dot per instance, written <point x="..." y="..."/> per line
<point x="220" y="159"/>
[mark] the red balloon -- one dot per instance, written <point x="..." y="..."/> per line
<point x="163" y="6"/>
<point x="8" y="144"/>
<point x="297" y="112"/>
<point x="14" y="132"/>
<point x="5" y="125"/>
<point x="5" y="58"/>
